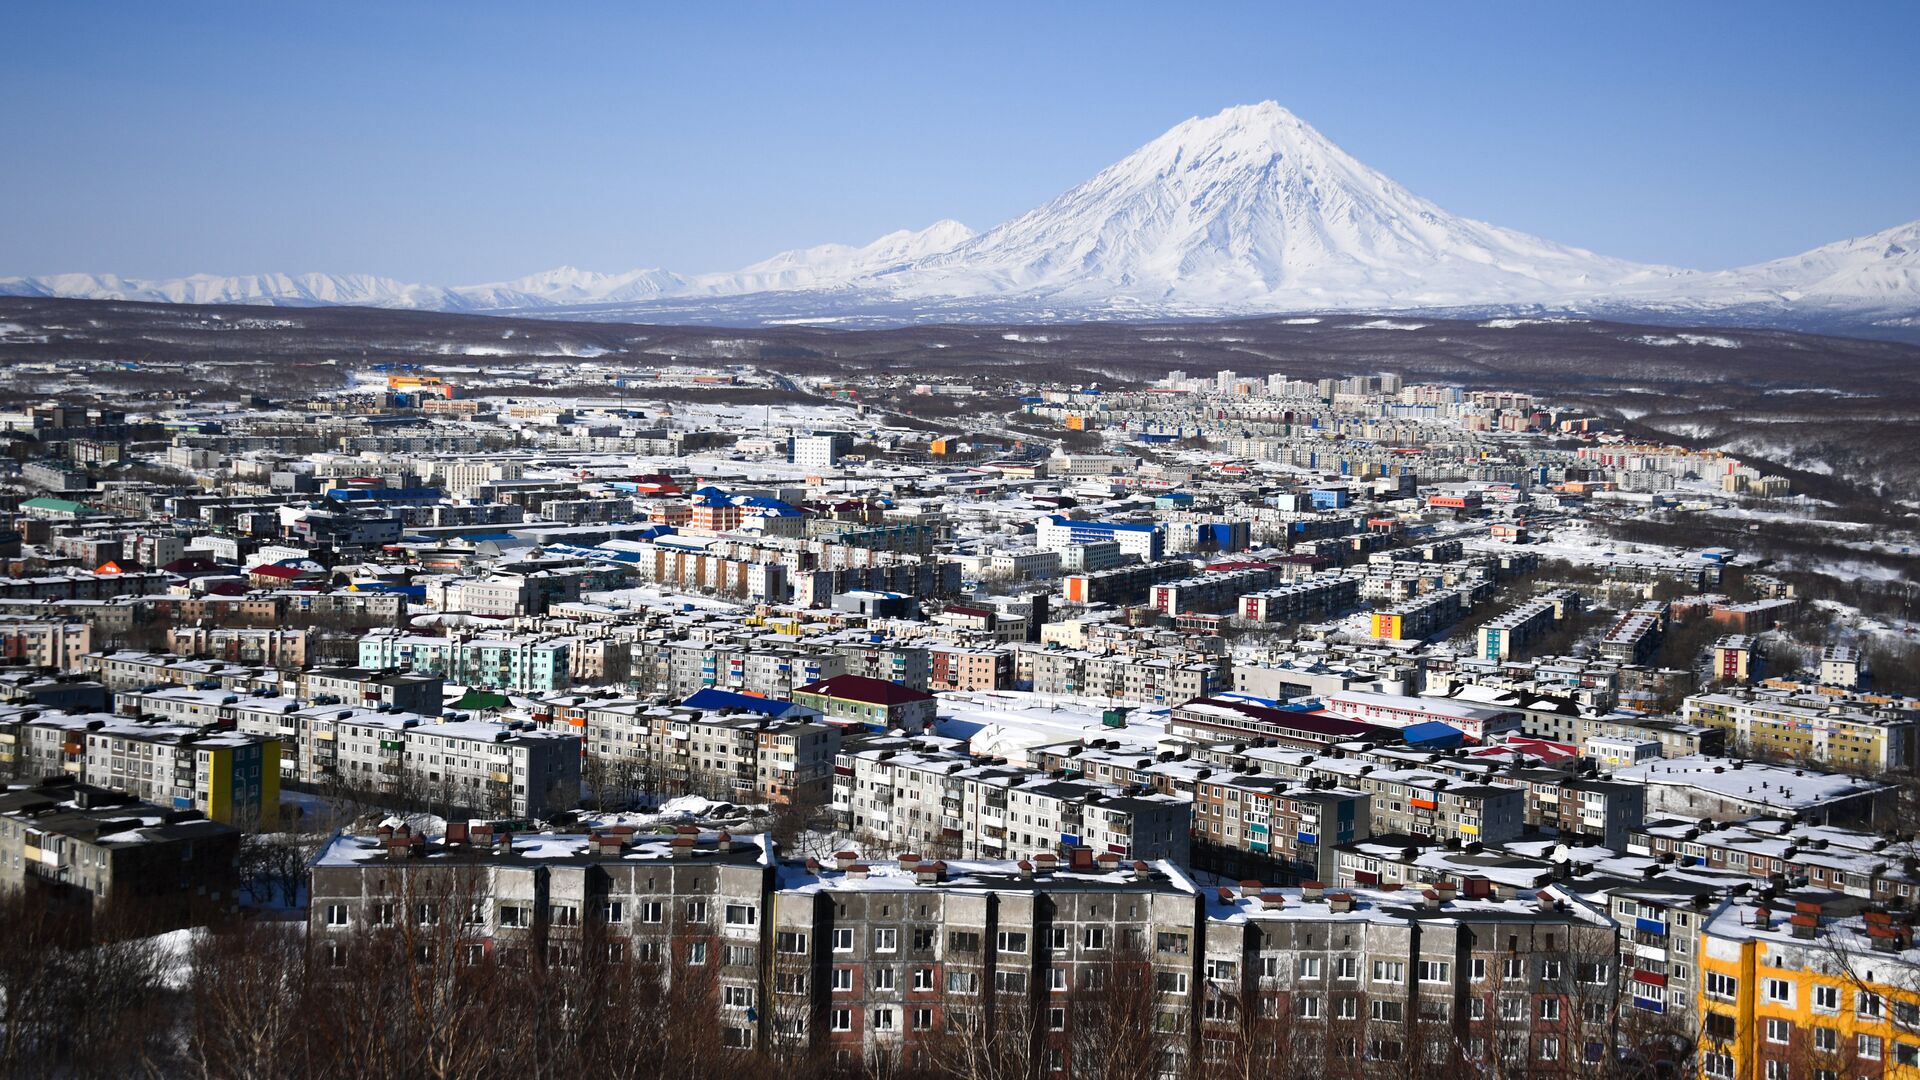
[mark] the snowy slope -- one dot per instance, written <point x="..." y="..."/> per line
<point x="830" y="265"/>
<point x="1881" y="270"/>
<point x="1254" y="209"/>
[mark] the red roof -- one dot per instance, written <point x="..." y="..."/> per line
<point x="868" y="691"/>
<point x="286" y="573"/>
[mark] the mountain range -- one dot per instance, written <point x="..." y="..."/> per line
<point x="1249" y="211"/>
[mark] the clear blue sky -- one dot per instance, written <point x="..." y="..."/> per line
<point x="454" y="144"/>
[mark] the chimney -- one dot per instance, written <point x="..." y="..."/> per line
<point x="1026" y="870"/>
<point x="1446" y="891"/>
<point x="858" y="871"/>
<point x="1340" y="903"/>
<point x="682" y="847"/>
<point x="456" y="832"/>
<point x="844" y="860"/>
<point x="1763" y="918"/>
<point x="1312" y="891"/>
<point x="1250" y="889"/>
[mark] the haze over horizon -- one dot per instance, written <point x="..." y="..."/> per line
<point x="458" y="147"/>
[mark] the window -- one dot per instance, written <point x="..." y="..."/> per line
<point x="1309" y="966"/>
<point x="1056" y="978"/>
<point x="1867" y="1004"/>
<point x="1346" y="1008"/>
<point x="1170" y="982"/>
<point x="1346" y="967"/>
<point x="1223" y="970"/>
<point x="1550" y="970"/>
<point x="1718" y="1065"/>
<point x="1389" y="971"/>
<point x="1513" y="1008"/>
<point x="1386" y="1011"/>
<point x="842" y="979"/>
<point x="923" y="1019"/>
<point x="1010" y="942"/>
<point x="883" y="1020"/>
<point x="737" y="955"/>
<point x="842" y="1020"/>
<point x="1479" y="969"/>
<point x="1826" y="1039"/>
<point x="886" y="939"/>
<point x="1779" y="1070"/>
<point x="1779" y="1031"/>
<point x="1826" y="998"/>
<point x="336" y="915"/>
<point x="696" y="953"/>
<point x="790" y="982"/>
<point x="1010" y="982"/>
<point x="923" y="978"/>
<point x="1868" y="1047"/>
<point x="1433" y="970"/>
<point x="1719" y="1025"/>
<point x="1725" y="987"/>
<point x="650" y="911"/>
<point x="1308" y="1007"/>
<point x="1093" y="937"/>
<point x="1549" y="1048"/>
<point x="1056" y="1019"/>
<point x="736" y="1038"/>
<point x="1592" y="974"/>
<point x="742" y="915"/>
<point x="1476" y="1008"/>
<point x="963" y="982"/>
<point x="923" y="940"/>
<point x="696" y="911"/>
<point x="565" y="915"/>
<point x="843" y="940"/>
<point x="1906" y="1054"/>
<point x="1171" y="943"/>
<point x="1057" y="938"/>
<point x="1512" y="968"/>
<point x="737" y="997"/>
<point x="961" y="941"/>
<point x="789" y="941"/>
<point x="1780" y="990"/>
<point x="1550" y="1008"/>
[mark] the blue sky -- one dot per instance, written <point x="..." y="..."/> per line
<point x="458" y="144"/>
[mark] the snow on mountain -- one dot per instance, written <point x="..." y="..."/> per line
<point x="1881" y="270"/>
<point x="830" y="265"/>
<point x="290" y="289"/>
<point x="1254" y="209"/>
<point x="568" y="286"/>
<point x="1249" y="211"/>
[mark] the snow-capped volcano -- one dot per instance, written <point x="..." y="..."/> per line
<point x="1253" y="208"/>
<point x="1249" y="211"/>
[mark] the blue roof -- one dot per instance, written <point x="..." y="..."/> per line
<point x="711" y="698"/>
<point x="1432" y="733"/>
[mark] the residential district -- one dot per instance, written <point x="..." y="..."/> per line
<point x="1340" y="707"/>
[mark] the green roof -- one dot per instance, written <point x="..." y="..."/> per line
<point x="65" y="506"/>
<point x="481" y="700"/>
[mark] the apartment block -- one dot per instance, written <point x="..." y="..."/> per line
<point x="527" y="663"/>
<point x="228" y="776"/>
<point x="475" y="764"/>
